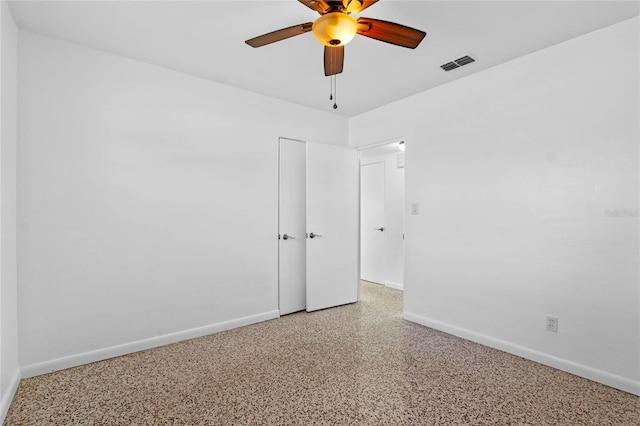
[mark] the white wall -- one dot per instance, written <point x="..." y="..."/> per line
<point x="9" y="371"/>
<point x="394" y="214"/>
<point x="515" y="169"/>
<point x="147" y="203"/>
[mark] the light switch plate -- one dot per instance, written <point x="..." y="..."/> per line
<point x="415" y="208"/>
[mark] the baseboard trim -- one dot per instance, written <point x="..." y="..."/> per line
<point x="7" y="396"/>
<point x="391" y="284"/>
<point x="609" y="379"/>
<point x="140" y="345"/>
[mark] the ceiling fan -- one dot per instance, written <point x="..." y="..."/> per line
<point x="336" y="27"/>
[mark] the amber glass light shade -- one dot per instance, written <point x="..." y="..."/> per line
<point x="335" y="29"/>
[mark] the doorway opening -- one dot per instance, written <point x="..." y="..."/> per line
<point x="382" y="214"/>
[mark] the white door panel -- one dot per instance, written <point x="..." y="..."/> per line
<point x="372" y="222"/>
<point x="292" y="227"/>
<point x="332" y="214"/>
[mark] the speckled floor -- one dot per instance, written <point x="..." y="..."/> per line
<point x="359" y="364"/>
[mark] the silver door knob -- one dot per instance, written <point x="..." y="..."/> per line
<point x="381" y="229"/>
<point x="286" y="237"/>
<point x="312" y="235"/>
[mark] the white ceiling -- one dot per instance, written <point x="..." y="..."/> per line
<point x="206" y="39"/>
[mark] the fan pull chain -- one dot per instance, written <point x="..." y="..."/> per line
<point x="335" y="92"/>
<point x="333" y="96"/>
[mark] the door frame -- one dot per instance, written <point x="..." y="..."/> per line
<point x="360" y="149"/>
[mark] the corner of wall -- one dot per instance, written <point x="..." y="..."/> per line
<point x="9" y="369"/>
<point x="8" y="394"/>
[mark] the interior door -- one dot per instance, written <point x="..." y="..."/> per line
<point x="291" y="227"/>
<point x="372" y="223"/>
<point x="332" y="226"/>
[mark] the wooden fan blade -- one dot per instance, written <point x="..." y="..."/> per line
<point x="320" y="6"/>
<point x="390" y="32"/>
<point x="278" y="35"/>
<point x="333" y="60"/>
<point x="357" y="6"/>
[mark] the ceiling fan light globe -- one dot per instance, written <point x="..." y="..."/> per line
<point x="335" y="29"/>
<point x="354" y="6"/>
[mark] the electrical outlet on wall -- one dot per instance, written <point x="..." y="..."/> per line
<point x="552" y="323"/>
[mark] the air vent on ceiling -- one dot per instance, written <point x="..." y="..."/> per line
<point x="464" y="60"/>
<point x="457" y="63"/>
<point x="449" y="66"/>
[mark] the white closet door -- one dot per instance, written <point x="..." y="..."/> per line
<point x="291" y="227"/>
<point x="332" y="225"/>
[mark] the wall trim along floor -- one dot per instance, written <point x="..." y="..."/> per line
<point x="391" y="284"/>
<point x="5" y="402"/>
<point x="140" y="345"/>
<point x="590" y="373"/>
